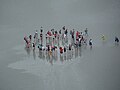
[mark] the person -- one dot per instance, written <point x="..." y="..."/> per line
<point x="30" y="37"/>
<point x="36" y="34"/>
<point x="73" y="36"/>
<point x="26" y="40"/>
<point x="77" y="35"/>
<point x="52" y="30"/>
<point x="103" y="37"/>
<point x="41" y="30"/>
<point x="40" y="47"/>
<point x="66" y="31"/>
<point x="79" y="43"/>
<point x="41" y="38"/>
<point x="116" y="40"/>
<point x="69" y="47"/>
<point x="36" y="37"/>
<point x="48" y="48"/>
<point x="33" y="46"/>
<point x="63" y="28"/>
<point x="90" y="43"/>
<point x="61" y="50"/>
<point x="64" y="49"/>
<point x="86" y="31"/>
<point x="59" y="31"/>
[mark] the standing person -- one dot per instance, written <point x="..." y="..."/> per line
<point x="64" y="49"/>
<point x="46" y="39"/>
<point x="33" y="46"/>
<point x="58" y="39"/>
<point x="48" y="48"/>
<point x="41" y="35"/>
<point x="103" y="38"/>
<point x="90" y="43"/>
<point x="86" y="31"/>
<point x="30" y="37"/>
<point x="66" y="31"/>
<point x="73" y="36"/>
<point x="52" y="30"/>
<point x="26" y="40"/>
<point x="63" y="28"/>
<point x="116" y="40"/>
<point x="60" y="36"/>
<point x="61" y="50"/>
<point x="79" y="41"/>
<point x="70" y="47"/>
<point x="36" y="34"/>
<point x="36" y="37"/>
<point x="77" y="36"/>
<point x="59" y="31"/>
<point x="53" y="42"/>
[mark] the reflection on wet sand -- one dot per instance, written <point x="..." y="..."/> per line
<point x="55" y="56"/>
<point x="34" y="55"/>
<point x="28" y="50"/>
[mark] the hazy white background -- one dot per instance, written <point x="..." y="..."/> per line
<point x="97" y="70"/>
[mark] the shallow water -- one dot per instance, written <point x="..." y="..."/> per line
<point x="96" y="69"/>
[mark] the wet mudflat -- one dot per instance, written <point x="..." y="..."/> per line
<point x="84" y="69"/>
<point x="92" y="69"/>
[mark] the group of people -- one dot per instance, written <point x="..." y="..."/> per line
<point x="62" y="41"/>
<point x="57" y="39"/>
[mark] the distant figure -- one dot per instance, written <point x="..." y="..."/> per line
<point x="36" y="34"/>
<point x="103" y="38"/>
<point x="69" y="47"/>
<point x="116" y="40"/>
<point x="61" y="50"/>
<point x="63" y="28"/>
<point x="52" y="30"/>
<point x="30" y="37"/>
<point x="41" y="30"/>
<point x="64" y="49"/>
<point x="66" y="31"/>
<point x="90" y="43"/>
<point x="40" y="46"/>
<point x="60" y="32"/>
<point x="27" y="42"/>
<point x="33" y="46"/>
<point x="77" y="36"/>
<point x="86" y="31"/>
<point x="73" y="36"/>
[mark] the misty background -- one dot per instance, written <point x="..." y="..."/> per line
<point x="99" y="16"/>
<point x="97" y="70"/>
<point x="83" y="13"/>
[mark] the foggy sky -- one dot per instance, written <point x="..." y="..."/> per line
<point x="36" y="12"/>
<point x="99" y="69"/>
<point x="99" y="16"/>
